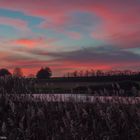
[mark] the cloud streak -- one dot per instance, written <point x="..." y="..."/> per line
<point x="15" y="23"/>
<point x="105" y="58"/>
<point x="29" y="43"/>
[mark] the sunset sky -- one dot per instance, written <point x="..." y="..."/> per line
<point x="69" y="35"/>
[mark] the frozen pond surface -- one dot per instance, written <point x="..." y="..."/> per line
<point x="86" y="98"/>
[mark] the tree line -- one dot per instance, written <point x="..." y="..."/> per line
<point x="17" y="72"/>
<point x="94" y="73"/>
<point x="45" y="73"/>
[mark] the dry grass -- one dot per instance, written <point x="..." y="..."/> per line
<point x="22" y="117"/>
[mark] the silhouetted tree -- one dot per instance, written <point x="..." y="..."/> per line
<point x="44" y="73"/>
<point x="92" y="72"/>
<point x="99" y="73"/>
<point x="68" y="74"/>
<point x="4" y="72"/>
<point x="75" y="74"/>
<point x="81" y="73"/>
<point x="18" y="72"/>
<point x="87" y="73"/>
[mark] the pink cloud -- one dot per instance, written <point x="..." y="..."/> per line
<point x="30" y="43"/>
<point x="120" y="26"/>
<point x="120" y="20"/>
<point x="16" y="23"/>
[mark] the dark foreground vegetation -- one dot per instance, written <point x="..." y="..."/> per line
<point x="21" y="85"/>
<point x="100" y="83"/>
<point x="22" y="117"/>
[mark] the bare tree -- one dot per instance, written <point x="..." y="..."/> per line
<point x="92" y="72"/>
<point x="18" y="72"/>
<point x="81" y="73"/>
<point x="99" y="73"/>
<point x="75" y="74"/>
<point x="87" y="73"/>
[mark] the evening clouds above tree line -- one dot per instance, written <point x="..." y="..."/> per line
<point x="68" y="35"/>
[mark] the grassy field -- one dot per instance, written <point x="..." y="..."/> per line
<point x="15" y="85"/>
<point x="22" y="117"/>
<point x="113" y="113"/>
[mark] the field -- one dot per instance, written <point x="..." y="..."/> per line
<point x="15" y="85"/>
<point x="98" y="116"/>
<point x="24" y="117"/>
